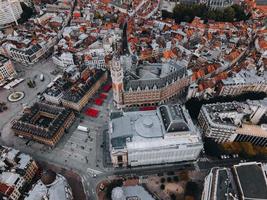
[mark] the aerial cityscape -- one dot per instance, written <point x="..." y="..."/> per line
<point x="133" y="99"/>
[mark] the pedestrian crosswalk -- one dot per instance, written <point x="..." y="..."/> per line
<point x="93" y="172"/>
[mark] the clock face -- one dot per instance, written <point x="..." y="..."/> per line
<point x="116" y="66"/>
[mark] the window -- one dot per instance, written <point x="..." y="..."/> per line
<point x="119" y="158"/>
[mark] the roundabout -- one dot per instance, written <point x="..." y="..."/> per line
<point x="15" y="96"/>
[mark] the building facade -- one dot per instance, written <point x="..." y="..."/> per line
<point x="17" y="170"/>
<point x="147" y="84"/>
<point x="10" y="12"/>
<point x="78" y="100"/>
<point x="7" y="69"/>
<point x="28" y="55"/>
<point x="244" y="81"/>
<point x="235" y="122"/>
<point x="43" y="123"/>
<point x="11" y="185"/>
<point x="165" y="135"/>
<point x="244" y="181"/>
<point x="64" y="60"/>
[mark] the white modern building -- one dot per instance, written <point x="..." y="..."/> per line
<point x="64" y="60"/>
<point x="10" y="12"/>
<point x="244" y="81"/>
<point x="159" y="136"/>
<point x="246" y="181"/>
<point x="235" y="121"/>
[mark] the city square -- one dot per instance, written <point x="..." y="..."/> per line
<point x="116" y="100"/>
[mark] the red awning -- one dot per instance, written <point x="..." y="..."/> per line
<point x="99" y="101"/>
<point x="107" y="87"/>
<point x="103" y="96"/>
<point x="148" y="108"/>
<point x="92" y="112"/>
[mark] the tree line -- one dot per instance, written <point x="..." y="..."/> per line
<point x="244" y="149"/>
<point x="186" y="13"/>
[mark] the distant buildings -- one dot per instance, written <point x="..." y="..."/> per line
<point x="64" y="60"/>
<point x="245" y="181"/>
<point x="219" y="4"/>
<point x="242" y="82"/>
<point x="44" y="123"/>
<point x="160" y="136"/>
<point x="7" y="70"/>
<point x="235" y="122"/>
<point x="146" y="84"/>
<point x="52" y="186"/>
<point x="10" y="12"/>
<point x="17" y="170"/>
<point x="35" y="39"/>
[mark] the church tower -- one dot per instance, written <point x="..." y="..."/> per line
<point x="117" y="80"/>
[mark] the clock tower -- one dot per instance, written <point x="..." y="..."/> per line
<point x="117" y="80"/>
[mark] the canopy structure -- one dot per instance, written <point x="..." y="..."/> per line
<point x="148" y="108"/>
<point x="99" y="101"/>
<point x="107" y="87"/>
<point x="103" y="96"/>
<point x="92" y="112"/>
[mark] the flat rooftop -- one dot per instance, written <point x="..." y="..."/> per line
<point x="143" y="126"/>
<point x="224" y="186"/>
<point x="42" y="120"/>
<point x="236" y="115"/>
<point x="253" y="130"/>
<point x="252" y="180"/>
<point x="135" y="124"/>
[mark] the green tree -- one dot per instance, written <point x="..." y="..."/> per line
<point x="162" y="180"/>
<point x="219" y="15"/>
<point x="184" y="175"/>
<point x="228" y="14"/>
<point x="210" y="15"/>
<point x="176" y="179"/>
<point x="169" y="179"/>
<point x="248" y="149"/>
<point x="165" y="14"/>
<point x="239" y="12"/>
<point x="192" y="189"/>
<point x="182" y="12"/>
<point x="173" y="196"/>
